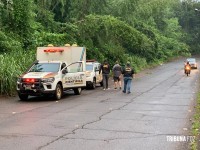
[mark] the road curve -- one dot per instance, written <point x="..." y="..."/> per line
<point x="152" y="117"/>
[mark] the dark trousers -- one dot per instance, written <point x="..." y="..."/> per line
<point x="105" y="80"/>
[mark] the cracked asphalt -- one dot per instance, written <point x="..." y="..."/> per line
<point x="160" y="105"/>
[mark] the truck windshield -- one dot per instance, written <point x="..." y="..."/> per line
<point x="45" y="67"/>
<point x="89" y="67"/>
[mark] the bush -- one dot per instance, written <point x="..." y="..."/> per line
<point x="102" y="31"/>
<point x="9" y="43"/>
<point x="138" y="63"/>
<point x="12" y="66"/>
<point x="44" y="38"/>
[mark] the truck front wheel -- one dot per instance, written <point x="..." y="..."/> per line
<point x="23" y="97"/>
<point x="58" y="92"/>
<point x="77" y="91"/>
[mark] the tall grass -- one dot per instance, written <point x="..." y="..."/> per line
<point x="194" y="145"/>
<point x="138" y="63"/>
<point x="12" y="65"/>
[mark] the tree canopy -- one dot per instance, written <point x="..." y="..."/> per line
<point x="142" y="32"/>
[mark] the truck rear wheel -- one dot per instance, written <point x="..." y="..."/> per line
<point x="101" y="83"/>
<point x="93" y="84"/>
<point x="23" y="97"/>
<point x="77" y="91"/>
<point x="58" y="92"/>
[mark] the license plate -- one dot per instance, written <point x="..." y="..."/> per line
<point x="28" y="87"/>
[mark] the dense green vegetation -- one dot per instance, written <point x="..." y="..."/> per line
<point x="143" y="32"/>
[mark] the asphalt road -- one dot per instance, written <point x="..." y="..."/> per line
<point x="153" y="117"/>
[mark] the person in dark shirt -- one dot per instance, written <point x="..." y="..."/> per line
<point x="128" y="73"/>
<point x="105" y="68"/>
<point x="117" y="72"/>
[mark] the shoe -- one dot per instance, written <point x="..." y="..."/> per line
<point x="128" y="92"/>
<point x="115" y="88"/>
<point x="107" y="88"/>
<point x="104" y="89"/>
<point x="120" y="88"/>
<point x="124" y="91"/>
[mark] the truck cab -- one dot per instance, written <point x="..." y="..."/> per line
<point x="56" y="70"/>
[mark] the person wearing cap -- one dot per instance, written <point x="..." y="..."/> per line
<point x="128" y="73"/>
<point x="117" y="72"/>
<point x="105" y="68"/>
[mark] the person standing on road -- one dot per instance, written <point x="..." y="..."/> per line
<point x="128" y="73"/>
<point x="117" y="72"/>
<point x="105" y="68"/>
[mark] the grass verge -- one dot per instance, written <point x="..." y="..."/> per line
<point x="196" y="125"/>
<point x="12" y="65"/>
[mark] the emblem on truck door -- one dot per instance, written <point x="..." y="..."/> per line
<point x="74" y="79"/>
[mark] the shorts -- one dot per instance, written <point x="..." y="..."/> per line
<point x="116" y="79"/>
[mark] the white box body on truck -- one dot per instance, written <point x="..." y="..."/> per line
<point x="56" y="69"/>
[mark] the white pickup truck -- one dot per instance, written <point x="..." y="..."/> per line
<point x="56" y="69"/>
<point x="92" y="74"/>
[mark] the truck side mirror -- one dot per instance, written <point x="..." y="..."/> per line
<point x="64" y="71"/>
<point x="96" y="69"/>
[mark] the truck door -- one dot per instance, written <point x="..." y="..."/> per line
<point x="98" y="76"/>
<point x="75" y="76"/>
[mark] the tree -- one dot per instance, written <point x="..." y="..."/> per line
<point x="22" y="20"/>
